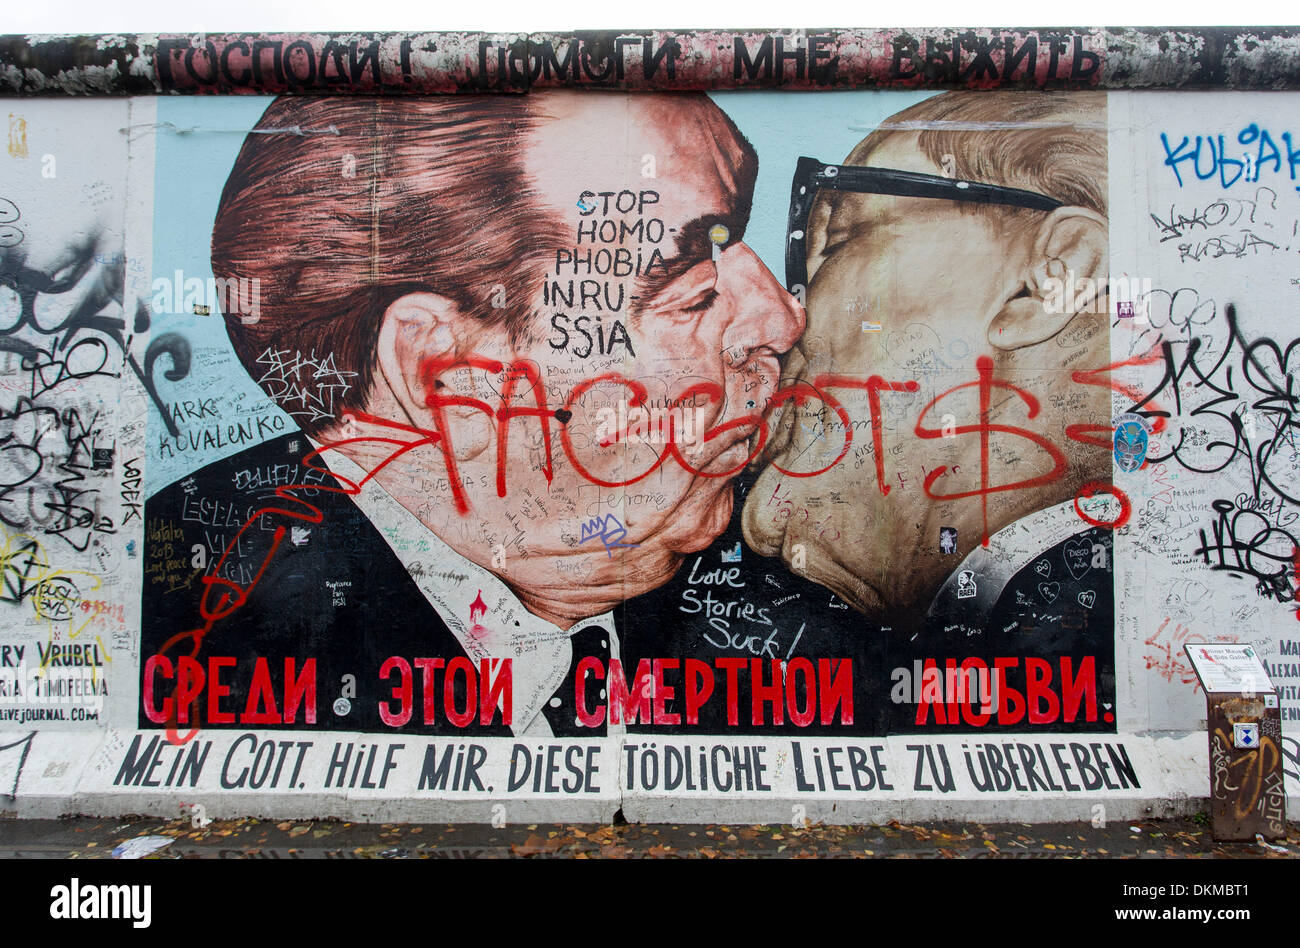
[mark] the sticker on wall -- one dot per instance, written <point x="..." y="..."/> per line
<point x="966" y="584"/>
<point x="731" y="554"/>
<point x="947" y="540"/>
<point x="1245" y="735"/>
<point x="1132" y="437"/>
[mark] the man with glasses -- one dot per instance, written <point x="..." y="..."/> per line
<point x="954" y="269"/>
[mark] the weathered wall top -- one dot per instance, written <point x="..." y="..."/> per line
<point x="452" y="62"/>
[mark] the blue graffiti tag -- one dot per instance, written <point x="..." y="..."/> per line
<point x="609" y="530"/>
<point x="1261" y="151"/>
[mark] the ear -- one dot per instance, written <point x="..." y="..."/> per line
<point x="416" y="327"/>
<point x="1065" y="274"/>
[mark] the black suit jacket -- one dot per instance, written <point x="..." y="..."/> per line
<point x="334" y="591"/>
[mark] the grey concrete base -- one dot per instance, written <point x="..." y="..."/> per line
<point x="365" y="778"/>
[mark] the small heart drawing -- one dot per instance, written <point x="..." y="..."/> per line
<point x="1043" y="568"/>
<point x="1049" y="591"/>
<point x="1078" y="557"/>
<point x="563" y="415"/>
<point x="1087" y="598"/>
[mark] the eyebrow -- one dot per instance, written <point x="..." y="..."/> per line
<point x="693" y="246"/>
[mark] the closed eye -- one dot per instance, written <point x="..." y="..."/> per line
<point x="704" y="303"/>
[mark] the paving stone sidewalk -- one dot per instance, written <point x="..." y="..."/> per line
<point x="87" y="838"/>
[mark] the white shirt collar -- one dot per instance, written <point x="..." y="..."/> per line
<point x="483" y="613"/>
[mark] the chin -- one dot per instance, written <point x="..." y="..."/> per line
<point x="849" y="585"/>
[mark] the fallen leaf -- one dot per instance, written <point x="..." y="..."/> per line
<point x="536" y="844"/>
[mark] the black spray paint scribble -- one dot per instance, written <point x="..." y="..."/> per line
<point x="26" y="744"/>
<point x="1224" y="400"/>
<point x="62" y="328"/>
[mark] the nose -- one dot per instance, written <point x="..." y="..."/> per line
<point x="761" y="314"/>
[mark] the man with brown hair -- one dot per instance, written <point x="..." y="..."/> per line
<point x="453" y="299"/>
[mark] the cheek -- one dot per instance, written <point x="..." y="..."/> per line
<point x="835" y="339"/>
<point x="852" y="286"/>
<point x="663" y="342"/>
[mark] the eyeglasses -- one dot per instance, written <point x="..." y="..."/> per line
<point x="811" y="176"/>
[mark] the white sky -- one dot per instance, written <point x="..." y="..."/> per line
<point x="178" y="16"/>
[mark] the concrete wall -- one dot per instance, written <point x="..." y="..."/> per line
<point x="493" y="457"/>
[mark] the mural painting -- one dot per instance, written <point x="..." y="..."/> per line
<point x="638" y="438"/>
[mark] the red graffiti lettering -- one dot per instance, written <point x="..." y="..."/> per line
<point x="986" y="384"/>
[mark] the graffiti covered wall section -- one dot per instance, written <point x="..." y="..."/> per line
<point x="359" y="452"/>
<point x="76" y="356"/>
<point x="1207" y="229"/>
